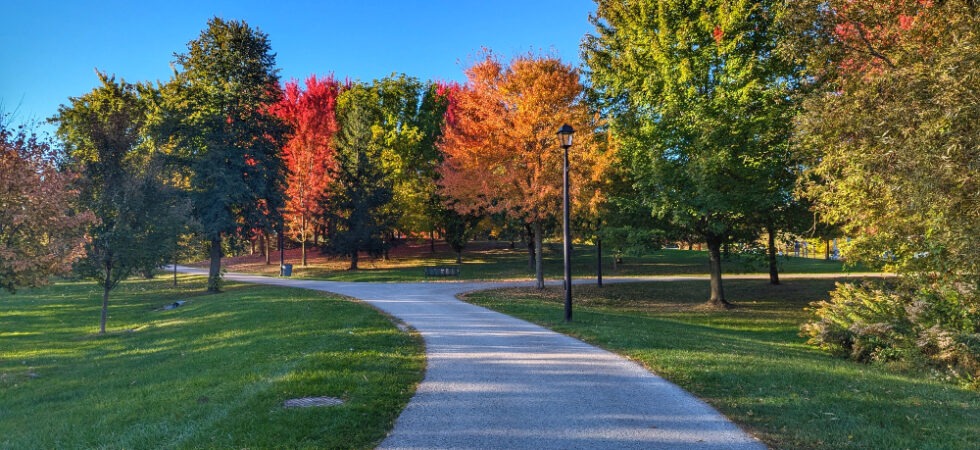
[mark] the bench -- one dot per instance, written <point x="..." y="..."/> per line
<point x="442" y="271"/>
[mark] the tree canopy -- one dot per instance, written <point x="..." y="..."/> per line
<point x="700" y="105"/>
<point x="230" y="141"/>
<point x="42" y="226"/>
<point x="103" y="132"/>
<point x="501" y="149"/>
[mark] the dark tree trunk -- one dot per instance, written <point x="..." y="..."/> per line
<point x="598" y="261"/>
<point x="714" y="265"/>
<point x="530" y="247"/>
<point x="353" y="261"/>
<point x="214" y="274"/>
<point x="432" y="241"/>
<point x="459" y="256"/>
<point x="773" y="270"/>
<point x="827" y="250"/>
<point x="539" y="261"/>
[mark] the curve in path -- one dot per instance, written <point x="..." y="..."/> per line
<point x="494" y="381"/>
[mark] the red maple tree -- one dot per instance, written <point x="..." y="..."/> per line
<point x="308" y="153"/>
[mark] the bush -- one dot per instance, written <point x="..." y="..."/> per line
<point x="936" y="326"/>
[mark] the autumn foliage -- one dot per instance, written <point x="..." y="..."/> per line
<point x="40" y="235"/>
<point x="502" y="153"/>
<point x="871" y="32"/>
<point x="501" y="149"/>
<point x="309" y="152"/>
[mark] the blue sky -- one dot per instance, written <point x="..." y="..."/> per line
<point x="51" y="48"/>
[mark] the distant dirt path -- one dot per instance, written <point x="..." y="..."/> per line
<point x="494" y="381"/>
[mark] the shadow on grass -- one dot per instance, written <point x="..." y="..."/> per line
<point x="211" y="373"/>
<point x="751" y="363"/>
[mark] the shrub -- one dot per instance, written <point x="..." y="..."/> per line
<point x="936" y="326"/>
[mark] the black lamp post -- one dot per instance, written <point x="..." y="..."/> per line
<point x="565" y="137"/>
<point x="282" y="241"/>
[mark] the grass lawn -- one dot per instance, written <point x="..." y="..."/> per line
<point x="212" y="373"/>
<point x="495" y="260"/>
<point x="751" y="364"/>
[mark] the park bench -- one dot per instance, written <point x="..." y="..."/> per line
<point x="442" y="271"/>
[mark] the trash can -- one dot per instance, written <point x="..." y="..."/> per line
<point x="287" y="270"/>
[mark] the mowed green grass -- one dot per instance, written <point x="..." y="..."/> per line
<point x="213" y="373"/>
<point x="495" y="260"/>
<point x="752" y="365"/>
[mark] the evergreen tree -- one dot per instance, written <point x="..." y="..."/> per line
<point x="228" y="139"/>
<point x="359" y="203"/>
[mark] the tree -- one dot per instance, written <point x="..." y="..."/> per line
<point x="309" y="152"/>
<point x="458" y="229"/>
<point x="892" y="130"/>
<point x="501" y="149"/>
<point x="103" y="133"/>
<point x="412" y="116"/>
<point x="42" y="229"/>
<point x="230" y="142"/>
<point x="360" y="195"/>
<point x="701" y="107"/>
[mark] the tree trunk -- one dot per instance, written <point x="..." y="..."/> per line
<point x="714" y="262"/>
<point x="827" y="250"/>
<point x="303" y="239"/>
<point x="432" y="241"/>
<point x="353" y="261"/>
<point x="539" y="261"/>
<point x="214" y="274"/>
<point x="266" y="248"/>
<point x="773" y="270"/>
<point x="530" y="247"/>
<point x="106" y="283"/>
<point x="459" y="256"/>
<point x="598" y="261"/>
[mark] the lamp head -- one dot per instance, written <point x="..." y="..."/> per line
<point x="565" y="135"/>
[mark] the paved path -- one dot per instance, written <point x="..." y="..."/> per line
<point x="494" y="381"/>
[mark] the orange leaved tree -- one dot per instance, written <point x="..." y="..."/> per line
<point x="309" y="153"/>
<point x="501" y="149"/>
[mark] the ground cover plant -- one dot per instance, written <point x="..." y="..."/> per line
<point x="496" y="260"/>
<point x="751" y="363"/>
<point x="213" y="373"/>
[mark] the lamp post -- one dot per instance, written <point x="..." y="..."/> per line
<point x="565" y="137"/>
<point x="282" y="241"/>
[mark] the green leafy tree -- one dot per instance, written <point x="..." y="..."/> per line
<point x="103" y="133"/>
<point x="228" y="140"/>
<point x="893" y="129"/>
<point x="701" y="107"/>
<point x="359" y="202"/>
<point x="412" y="116"/>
